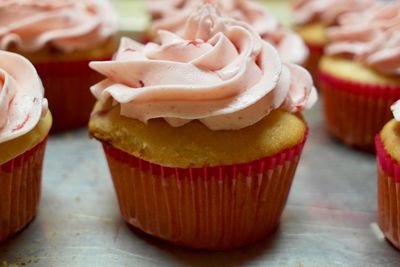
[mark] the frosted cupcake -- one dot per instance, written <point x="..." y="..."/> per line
<point x="24" y="126"/>
<point x="360" y="74"/>
<point x="388" y="158"/>
<point x="311" y="19"/>
<point x="172" y="15"/>
<point x="202" y="132"/>
<point x="60" y="37"/>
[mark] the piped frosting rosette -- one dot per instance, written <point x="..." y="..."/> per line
<point x="371" y="37"/>
<point x="326" y="11"/>
<point x="220" y="72"/>
<point x="22" y="104"/>
<point x="67" y="25"/>
<point x="172" y="15"/>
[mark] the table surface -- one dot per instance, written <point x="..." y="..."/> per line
<point x="330" y="218"/>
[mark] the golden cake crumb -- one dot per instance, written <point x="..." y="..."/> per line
<point x="350" y="70"/>
<point x="313" y="34"/>
<point x="390" y="136"/>
<point x="194" y="145"/>
<point x="18" y="146"/>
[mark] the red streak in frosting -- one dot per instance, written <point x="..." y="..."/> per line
<point x="129" y="50"/>
<point x="22" y="124"/>
<point x="195" y="43"/>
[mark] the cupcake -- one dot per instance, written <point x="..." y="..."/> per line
<point x="172" y="15"/>
<point x="360" y="74"/>
<point x="60" y="38"/>
<point x="311" y="19"/>
<point x="202" y="132"/>
<point x="388" y="159"/>
<point x="24" y="126"/>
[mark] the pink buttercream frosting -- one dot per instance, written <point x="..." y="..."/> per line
<point x="371" y="37"/>
<point x="220" y="72"/>
<point x="172" y="15"/>
<point x="396" y="110"/>
<point x="326" y="11"/>
<point x="21" y="96"/>
<point x="67" y="25"/>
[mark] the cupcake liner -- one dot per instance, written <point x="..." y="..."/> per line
<point x="20" y="186"/>
<point x="388" y="194"/>
<point x="355" y="112"/>
<point x="213" y="208"/>
<point x="67" y="90"/>
<point x="312" y="63"/>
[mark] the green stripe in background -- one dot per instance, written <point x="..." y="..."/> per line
<point x="134" y="18"/>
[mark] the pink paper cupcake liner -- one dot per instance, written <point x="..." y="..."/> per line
<point x="388" y="194"/>
<point x="20" y="187"/>
<point x="67" y="90"/>
<point x="355" y="112"/>
<point x="212" y="208"/>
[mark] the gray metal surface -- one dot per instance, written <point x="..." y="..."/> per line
<point x="328" y="221"/>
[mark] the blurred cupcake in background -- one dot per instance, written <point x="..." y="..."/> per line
<point x="202" y="132"/>
<point x="388" y="161"/>
<point x="172" y="16"/>
<point x="311" y="19"/>
<point x="360" y="74"/>
<point x="24" y="125"/>
<point x="60" y="37"/>
<point x="160" y="9"/>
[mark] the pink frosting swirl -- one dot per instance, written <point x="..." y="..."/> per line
<point x="326" y="11"/>
<point x="371" y="37"/>
<point x="66" y="25"/>
<point x="221" y="72"/>
<point x="7" y="93"/>
<point x="172" y="15"/>
<point x="21" y="96"/>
